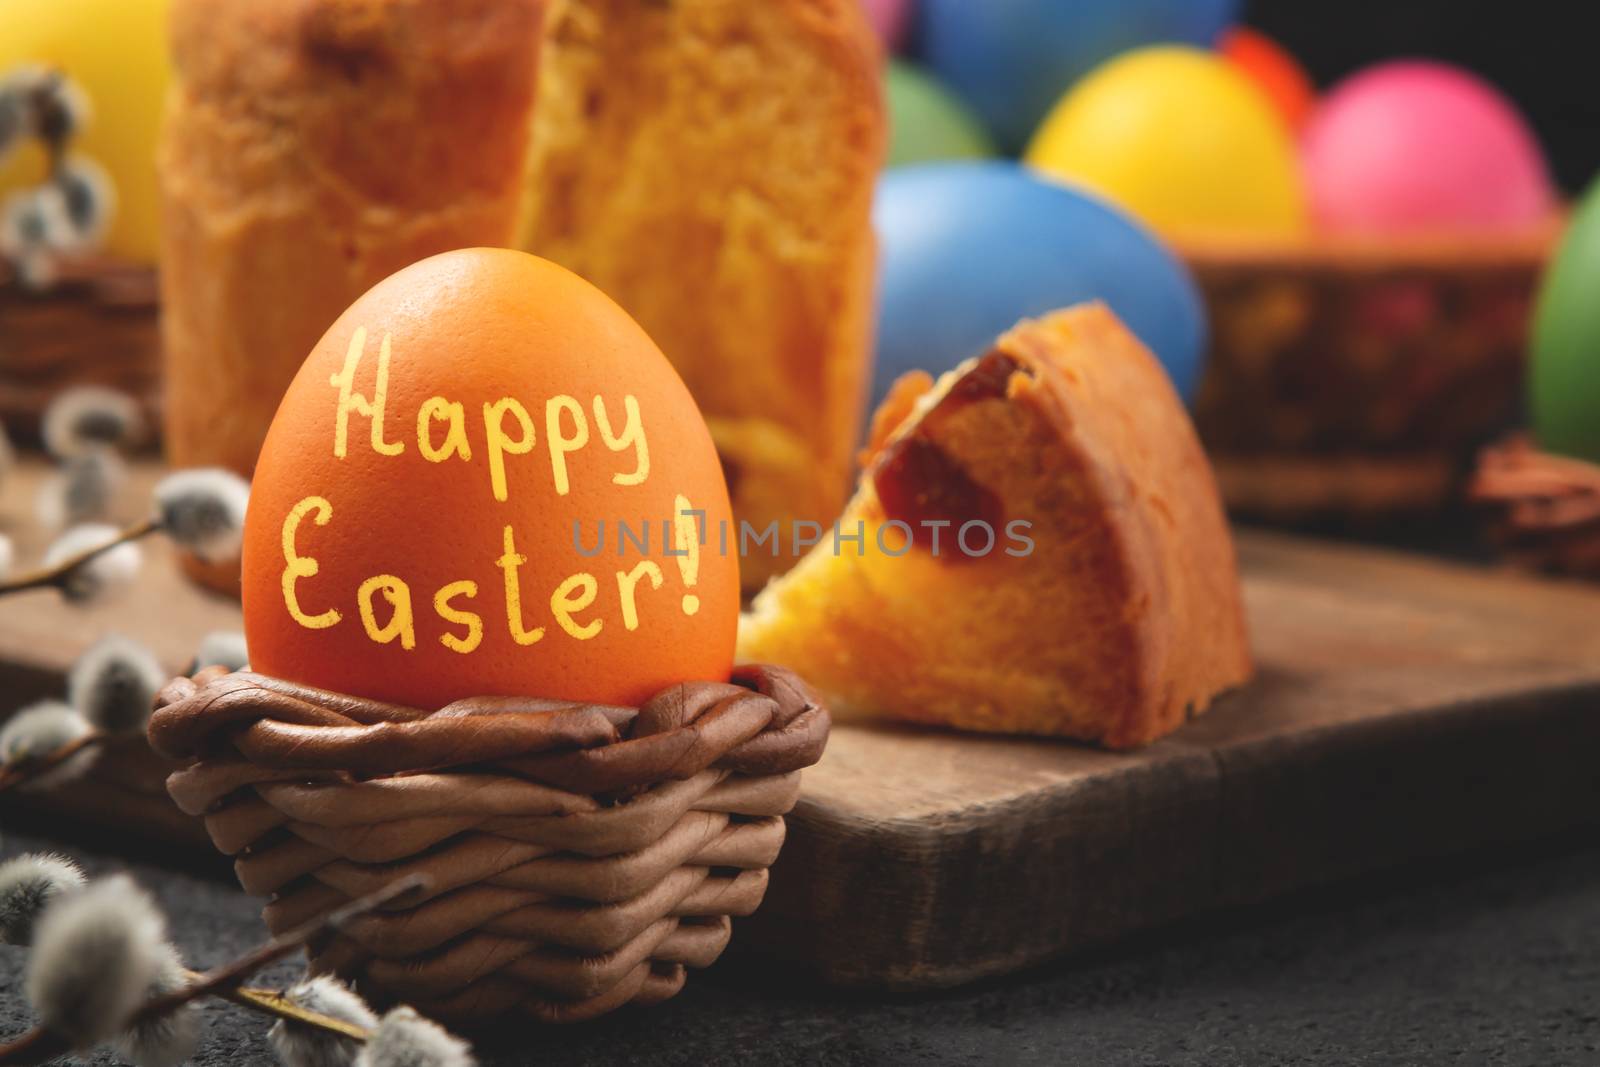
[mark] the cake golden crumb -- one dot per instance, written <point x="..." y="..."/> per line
<point x="710" y="165"/>
<point x="1095" y="594"/>
<point x="311" y="149"/>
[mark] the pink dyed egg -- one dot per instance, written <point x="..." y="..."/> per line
<point x="1415" y="145"/>
<point x="889" y="18"/>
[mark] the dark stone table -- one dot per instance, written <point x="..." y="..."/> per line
<point x="1487" y="959"/>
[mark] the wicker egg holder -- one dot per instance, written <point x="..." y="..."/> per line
<point x="578" y="857"/>
<point x="97" y="325"/>
<point x="1356" y="377"/>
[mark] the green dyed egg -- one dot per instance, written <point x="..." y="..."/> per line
<point x="928" y="123"/>
<point x="1564" y="381"/>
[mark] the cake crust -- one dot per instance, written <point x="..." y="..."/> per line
<point x="311" y="149"/>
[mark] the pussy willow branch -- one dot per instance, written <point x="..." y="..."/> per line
<point x="55" y="140"/>
<point x="272" y="1002"/>
<point x="25" y="770"/>
<point x="57" y="575"/>
<point x="230" y="976"/>
<point x="36" y="1046"/>
<point x="39" y="1045"/>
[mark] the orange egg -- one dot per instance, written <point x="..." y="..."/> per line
<point x="1271" y="67"/>
<point x="482" y="482"/>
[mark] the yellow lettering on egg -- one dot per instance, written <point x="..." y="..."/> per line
<point x="296" y="566"/>
<point x="572" y="596"/>
<point x="350" y="400"/>
<point x="632" y="436"/>
<point x="455" y="437"/>
<point x="450" y="613"/>
<point x="500" y="444"/>
<point x="628" y="581"/>
<point x="401" y="623"/>
<point x="561" y="443"/>
<point x="509" y="562"/>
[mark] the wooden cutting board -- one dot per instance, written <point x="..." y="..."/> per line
<point x="1403" y="709"/>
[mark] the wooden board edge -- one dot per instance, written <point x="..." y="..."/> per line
<point x="857" y="906"/>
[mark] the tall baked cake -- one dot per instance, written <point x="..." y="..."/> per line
<point x="312" y="148"/>
<point x="710" y="165"/>
<point x="1083" y="582"/>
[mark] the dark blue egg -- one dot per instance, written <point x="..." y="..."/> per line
<point x="1012" y="59"/>
<point x="967" y="249"/>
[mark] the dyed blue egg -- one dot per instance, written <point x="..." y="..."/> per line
<point x="969" y="248"/>
<point x="1012" y="59"/>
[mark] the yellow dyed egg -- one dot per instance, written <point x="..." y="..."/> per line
<point x="1181" y="138"/>
<point x="115" y="52"/>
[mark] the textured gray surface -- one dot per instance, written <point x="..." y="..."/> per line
<point x="1485" y="960"/>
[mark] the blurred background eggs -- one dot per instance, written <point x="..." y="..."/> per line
<point x="890" y="18"/>
<point x="1274" y="70"/>
<point x="969" y="248"/>
<point x="1181" y="138"/>
<point x="115" y="52"/>
<point x="1012" y="59"/>
<point x="926" y="121"/>
<point x="1564" y="384"/>
<point x="1413" y="146"/>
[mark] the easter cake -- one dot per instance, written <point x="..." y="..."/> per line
<point x="1036" y="546"/>
<point x="491" y="636"/>
<point x="310" y="149"/>
<point x="710" y="165"/>
<point x="314" y="147"/>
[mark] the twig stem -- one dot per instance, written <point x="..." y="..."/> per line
<point x="56" y="576"/>
<point x="272" y="1002"/>
<point x="229" y="976"/>
<point x="39" y="1045"/>
<point x="15" y="774"/>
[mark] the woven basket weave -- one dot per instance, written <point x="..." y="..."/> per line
<point x="98" y="326"/>
<point x="1359" y="377"/>
<point x="579" y="857"/>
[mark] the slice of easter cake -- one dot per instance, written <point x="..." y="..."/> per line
<point x="1042" y="550"/>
